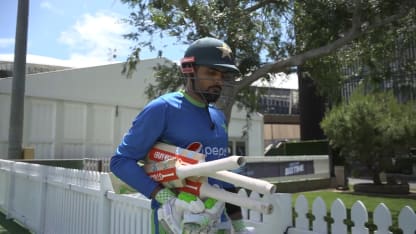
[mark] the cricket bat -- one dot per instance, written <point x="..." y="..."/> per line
<point x="173" y="167"/>
<point x="174" y="171"/>
<point x="162" y="152"/>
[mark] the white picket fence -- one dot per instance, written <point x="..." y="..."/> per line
<point x="56" y="200"/>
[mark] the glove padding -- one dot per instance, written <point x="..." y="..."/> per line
<point x="164" y="195"/>
<point x="189" y="202"/>
<point x="171" y="214"/>
<point x="204" y="222"/>
<point x="169" y="217"/>
<point x="196" y="223"/>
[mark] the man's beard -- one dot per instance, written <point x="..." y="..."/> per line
<point x="212" y="94"/>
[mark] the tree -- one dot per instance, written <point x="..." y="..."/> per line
<point x="261" y="33"/>
<point x="372" y="128"/>
<point x="369" y="56"/>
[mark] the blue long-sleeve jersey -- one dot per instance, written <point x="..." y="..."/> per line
<point x="177" y="119"/>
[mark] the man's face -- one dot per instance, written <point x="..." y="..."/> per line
<point x="209" y="83"/>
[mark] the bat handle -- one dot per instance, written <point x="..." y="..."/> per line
<point x="238" y="180"/>
<point x="203" y="168"/>
<point x="205" y="190"/>
<point x="208" y="190"/>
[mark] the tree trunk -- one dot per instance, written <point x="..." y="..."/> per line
<point x="18" y="86"/>
<point x="312" y="109"/>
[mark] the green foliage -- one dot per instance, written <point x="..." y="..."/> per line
<point x="382" y="53"/>
<point x="246" y="26"/>
<point x="370" y="56"/>
<point x="317" y="23"/>
<point x="372" y="128"/>
<point x="168" y="79"/>
<point x="262" y="33"/>
<point x="250" y="28"/>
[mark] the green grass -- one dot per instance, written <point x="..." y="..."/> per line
<point x="8" y="226"/>
<point x="395" y="204"/>
<point x="371" y="202"/>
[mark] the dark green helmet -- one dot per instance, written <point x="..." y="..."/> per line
<point x="209" y="52"/>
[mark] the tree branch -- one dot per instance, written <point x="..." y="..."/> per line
<point x="184" y="6"/>
<point x="353" y="33"/>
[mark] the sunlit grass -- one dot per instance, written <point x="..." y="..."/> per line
<point x="395" y="204"/>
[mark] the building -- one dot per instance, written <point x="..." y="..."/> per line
<point x="6" y="68"/>
<point x="84" y="112"/>
<point x="279" y="105"/>
<point x="400" y="71"/>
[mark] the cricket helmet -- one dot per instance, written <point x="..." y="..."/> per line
<point x="209" y="52"/>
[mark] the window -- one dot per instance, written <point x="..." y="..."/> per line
<point x="237" y="147"/>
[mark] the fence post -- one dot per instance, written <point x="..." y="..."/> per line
<point x="105" y="206"/>
<point x="43" y="172"/>
<point x="281" y="217"/>
<point x="10" y="194"/>
<point x="284" y="213"/>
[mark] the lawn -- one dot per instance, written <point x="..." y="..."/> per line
<point x="395" y="204"/>
<point x="8" y="226"/>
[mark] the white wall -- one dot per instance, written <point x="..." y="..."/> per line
<point x="254" y="139"/>
<point x="85" y="112"/>
<point x="4" y="123"/>
<point x="67" y="129"/>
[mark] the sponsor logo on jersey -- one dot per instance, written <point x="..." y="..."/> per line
<point x="195" y="146"/>
<point x="208" y="150"/>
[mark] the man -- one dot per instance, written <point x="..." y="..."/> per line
<point x="185" y="118"/>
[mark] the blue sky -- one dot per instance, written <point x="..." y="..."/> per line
<point x="76" y="32"/>
<point x="80" y="33"/>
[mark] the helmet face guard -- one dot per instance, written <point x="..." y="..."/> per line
<point x="211" y="94"/>
<point x="213" y="53"/>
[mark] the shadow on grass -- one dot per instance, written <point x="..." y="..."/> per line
<point x="384" y="190"/>
<point x="8" y="226"/>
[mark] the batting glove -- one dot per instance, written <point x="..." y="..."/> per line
<point x="171" y="213"/>
<point x="207" y="221"/>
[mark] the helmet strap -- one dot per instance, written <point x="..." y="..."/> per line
<point x="190" y="72"/>
<point x="203" y="97"/>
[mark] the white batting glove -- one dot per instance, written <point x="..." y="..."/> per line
<point x="189" y="202"/>
<point x="171" y="213"/>
<point x="207" y="221"/>
<point x="184" y="201"/>
<point x="214" y="209"/>
<point x="196" y="223"/>
<point x="168" y="216"/>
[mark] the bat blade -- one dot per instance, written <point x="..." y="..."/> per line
<point x="175" y="170"/>
<point x="162" y="152"/>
